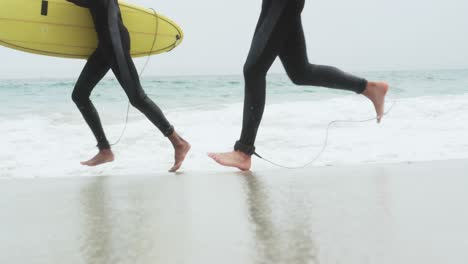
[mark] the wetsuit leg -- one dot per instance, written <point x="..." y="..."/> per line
<point x="135" y="92"/>
<point x="282" y="35"/>
<point x="269" y="38"/>
<point x="94" y="70"/>
<point x="301" y="72"/>
<point x="124" y="69"/>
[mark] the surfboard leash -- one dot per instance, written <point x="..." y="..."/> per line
<point x="325" y="143"/>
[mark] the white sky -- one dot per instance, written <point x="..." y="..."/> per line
<point x="359" y="35"/>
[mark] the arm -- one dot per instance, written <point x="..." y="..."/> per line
<point x="82" y="3"/>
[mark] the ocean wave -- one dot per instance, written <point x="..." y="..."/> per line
<point x="292" y="133"/>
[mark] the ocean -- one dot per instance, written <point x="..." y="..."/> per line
<point x="44" y="135"/>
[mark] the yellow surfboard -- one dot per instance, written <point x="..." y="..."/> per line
<point x="61" y="29"/>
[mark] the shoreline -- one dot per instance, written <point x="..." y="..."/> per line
<point x="273" y="170"/>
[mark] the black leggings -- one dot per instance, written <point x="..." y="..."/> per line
<point x="279" y="33"/>
<point x="97" y="66"/>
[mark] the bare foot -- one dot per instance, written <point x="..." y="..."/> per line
<point x="181" y="148"/>
<point x="234" y="159"/>
<point x="104" y="156"/>
<point x="376" y="92"/>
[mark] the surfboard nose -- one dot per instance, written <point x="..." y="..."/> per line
<point x="169" y="35"/>
<point x="152" y="34"/>
<point x="179" y="36"/>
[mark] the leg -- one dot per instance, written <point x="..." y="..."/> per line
<point x="264" y="49"/>
<point x="126" y="73"/>
<point x="93" y="72"/>
<point x="142" y="102"/>
<point x="267" y="42"/>
<point x="301" y="72"/>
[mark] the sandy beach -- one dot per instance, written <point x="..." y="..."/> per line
<point x="396" y="213"/>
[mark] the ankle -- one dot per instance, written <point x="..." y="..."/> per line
<point x="243" y="155"/>
<point x="370" y="86"/>
<point x="179" y="144"/>
<point x="373" y="89"/>
<point x="176" y="140"/>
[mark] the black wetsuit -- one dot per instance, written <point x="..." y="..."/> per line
<point x="279" y="33"/>
<point x="113" y="52"/>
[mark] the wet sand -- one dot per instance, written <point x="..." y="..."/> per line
<point x="398" y="213"/>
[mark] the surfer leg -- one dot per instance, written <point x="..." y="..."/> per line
<point x="301" y="72"/>
<point x="294" y="58"/>
<point x="124" y="69"/>
<point x="140" y="100"/>
<point x="269" y="38"/>
<point x="94" y="70"/>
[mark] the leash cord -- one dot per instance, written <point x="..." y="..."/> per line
<point x="325" y="144"/>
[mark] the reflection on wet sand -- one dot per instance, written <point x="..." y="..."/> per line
<point x="401" y="213"/>
<point x="96" y="228"/>
<point x="280" y="222"/>
<point x="129" y="225"/>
